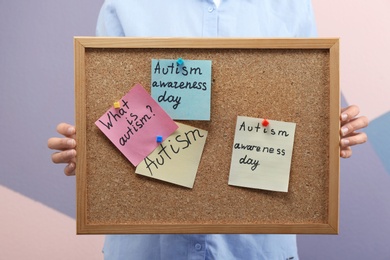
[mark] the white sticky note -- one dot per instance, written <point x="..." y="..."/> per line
<point x="261" y="157"/>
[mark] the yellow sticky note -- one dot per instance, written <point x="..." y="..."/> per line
<point x="176" y="160"/>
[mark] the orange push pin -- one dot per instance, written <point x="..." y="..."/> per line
<point x="265" y="122"/>
<point x="117" y="104"/>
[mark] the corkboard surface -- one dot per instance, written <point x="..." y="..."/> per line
<point x="290" y="85"/>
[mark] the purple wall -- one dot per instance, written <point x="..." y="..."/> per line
<point x="36" y="83"/>
<point x="364" y="211"/>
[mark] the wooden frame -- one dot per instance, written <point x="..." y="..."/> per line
<point x="107" y="189"/>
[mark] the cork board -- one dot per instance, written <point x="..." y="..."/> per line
<point x="292" y="80"/>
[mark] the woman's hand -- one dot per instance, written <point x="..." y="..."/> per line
<point x="65" y="146"/>
<point x="350" y="123"/>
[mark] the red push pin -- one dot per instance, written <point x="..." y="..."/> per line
<point x="265" y="122"/>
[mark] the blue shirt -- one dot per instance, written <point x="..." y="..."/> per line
<point x="201" y="18"/>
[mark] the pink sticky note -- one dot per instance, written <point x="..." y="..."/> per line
<point x="134" y="126"/>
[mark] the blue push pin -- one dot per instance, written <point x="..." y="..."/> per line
<point x="159" y="139"/>
<point x="180" y="61"/>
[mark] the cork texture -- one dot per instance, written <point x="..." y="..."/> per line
<point x="288" y="85"/>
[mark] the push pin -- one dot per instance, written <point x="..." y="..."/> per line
<point x="180" y="61"/>
<point x="265" y="122"/>
<point x="117" y="104"/>
<point x="159" y="139"/>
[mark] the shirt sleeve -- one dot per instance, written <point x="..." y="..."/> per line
<point x="108" y="23"/>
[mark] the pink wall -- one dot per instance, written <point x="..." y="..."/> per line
<point x="363" y="28"/>
<point x="31" y="230"/>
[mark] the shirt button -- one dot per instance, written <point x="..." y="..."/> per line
<point x="198" y="247"/>
<point x="211" y="9"/>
